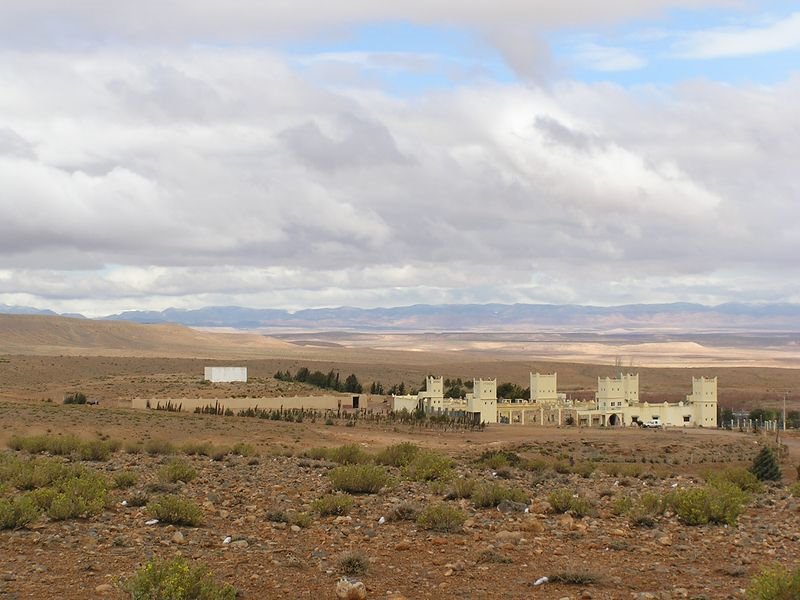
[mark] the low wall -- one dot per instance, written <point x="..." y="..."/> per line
<point x="237" y="404"/>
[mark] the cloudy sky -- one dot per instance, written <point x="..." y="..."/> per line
<point x="310" y="153"/>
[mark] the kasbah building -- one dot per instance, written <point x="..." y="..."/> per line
<point x="616" y="404"/>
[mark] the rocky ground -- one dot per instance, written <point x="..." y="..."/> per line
<point x="499" y="554"/>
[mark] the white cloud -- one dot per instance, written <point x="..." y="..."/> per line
<point x="607" y="58"/>
<point x="138" y="178"/>
<point x="776" y="36"/>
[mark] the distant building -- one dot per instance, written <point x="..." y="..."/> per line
<point x="483" y="400"/>
<point x="544" y="389"/>
<point x="225" y="374"/>
<point x="617" y="403"/>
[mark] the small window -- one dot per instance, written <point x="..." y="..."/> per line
<point x="686" y="418"/>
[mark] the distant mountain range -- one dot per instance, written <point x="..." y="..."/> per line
<point x="675" y="317"/>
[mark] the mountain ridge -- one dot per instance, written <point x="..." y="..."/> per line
<point x="463" y="317"/>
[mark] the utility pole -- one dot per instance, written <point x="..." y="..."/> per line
<point x="784" y="411"/>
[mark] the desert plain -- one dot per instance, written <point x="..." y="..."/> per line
<point x="589" y="509"/>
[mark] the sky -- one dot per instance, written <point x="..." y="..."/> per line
<point x="365" y="153"/>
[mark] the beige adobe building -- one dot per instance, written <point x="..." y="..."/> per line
<point x="617" y="403"/>
<point x="482" y="401"/>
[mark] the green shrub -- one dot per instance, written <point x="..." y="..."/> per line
<point x="18" y="512"/>
<point x="353" y="563"/>
<point x="197" y="448"/>
<point x="622" y="505"/>
<point x="651" y="503"/>
<point x="398" y="455"/>
<point x="794" y="489"/>
<point x="37" y="473"/>
<point x="159" y="447"/>
<point x="498" y="459"/>
<point x="487" y="495"/>
<point x="175" y="510"/>
<point x="176" y="579"/>
<point x="775" y="583"/>
<point x="317" y="453"/>
<point x="581" y="507"/>
<point x="350" y="454"/>
<point x="580" y="577"/>
<point x="720" y="502"/>
<point x="494" y="557"/>
<point x="404" y="512"/>
<point x="301" y="519"/>
<point x="125" y="479"/>
<point x="138" y="499"/>
<point x="560" y="500"/>
<point x="133" y="447"/>
<point x="95" y="450"/>
<point x="563" y="500"/>
<point x="461" y="488"/>
<point x="242" y="449"/>
<point x="765" y="466"/>
<point x="218" y="454"/>
<point x="640" y="518"/>
<point x="332" y="504"/>
<point x="277" y="516"/>
<point x="359" y="479"/>
<point x="584" y="469"/>
<point x="745" y="480"/>
<point x="80" y="496"/>
<point x="177" y="470"/>
<point x="39" y="444"/>
<point x="75" y="398"/>
<point x="428" y="466"/>
<point x="442" y="517"/>
<point x="535" y="465"/>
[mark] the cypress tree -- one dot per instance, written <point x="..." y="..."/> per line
<point x="765" y="466"/>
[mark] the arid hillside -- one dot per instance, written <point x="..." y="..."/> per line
<point x="44" y="357"/>
<point x="45" y="335"/>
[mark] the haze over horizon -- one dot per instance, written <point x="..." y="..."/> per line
<point x="371" y="154"/>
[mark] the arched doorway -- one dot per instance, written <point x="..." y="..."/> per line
<point x="614" y="420"/>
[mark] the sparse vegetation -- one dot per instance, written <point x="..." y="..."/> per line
<point x="353" y="563"/>
<point x="428" y="466"/>
<point x="176" y="579"/>
<point x="563" y="500"/>
<point x="720" y="502"/>
<point x="332" y="504"/>
<point x="18" y="512"/>
<point x="776" y="582"/>
<point x="301" y="519"/>
<point x="359" y="479"/>
<point x="404" y="512"/>
<point x="491" y="494"/>
<point x="398" y="455"/>
<point x="159" y="447"/>
<point x="177" y="470"/>
<point x="576" y="577"/>
<point x="461" y="488"/>
<point x="765" y="466"/>
<point x="350" y="454"/>
<point x="175" y="510"/>
<point x="443" y="518"/>
<point x="125" y="479"/>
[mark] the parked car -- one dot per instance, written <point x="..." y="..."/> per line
<point x="651" y="424"/>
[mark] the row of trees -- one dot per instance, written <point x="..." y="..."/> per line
<point x="328" y="381"/>
<point x="760" y="415"/>
<point x="453" y="388"/>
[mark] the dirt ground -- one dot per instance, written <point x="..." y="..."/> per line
<point x="498" y="555"/>
<point x="118" y="379"/>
